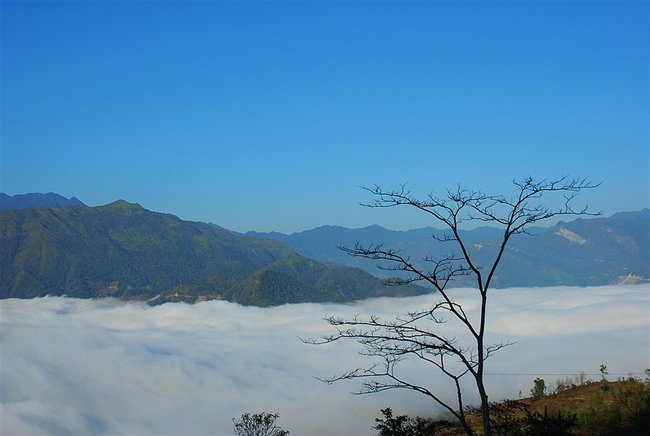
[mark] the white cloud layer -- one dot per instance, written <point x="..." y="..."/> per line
<point x="107" y="367"/>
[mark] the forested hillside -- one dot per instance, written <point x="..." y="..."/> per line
<point x="126" y="251"/>
<point x="123" y="250"/>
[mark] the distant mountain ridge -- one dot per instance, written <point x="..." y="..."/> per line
<point x="582" y="252"/>
<point x="126" y="251"/>
<point x="24" y="201"/>
<point x="322" y="242"/>
<point x="123" y="250"/>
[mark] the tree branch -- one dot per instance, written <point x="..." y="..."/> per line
<point x="394" y="341"/>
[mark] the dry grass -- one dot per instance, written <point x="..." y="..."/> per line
<point x="598" y="412"/>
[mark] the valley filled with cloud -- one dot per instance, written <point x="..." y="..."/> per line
<point x="72" y="366"/>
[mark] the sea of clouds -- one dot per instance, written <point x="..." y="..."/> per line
<point x="77" y="367"/>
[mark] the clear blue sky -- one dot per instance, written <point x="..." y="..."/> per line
<point x="269" y="116"/>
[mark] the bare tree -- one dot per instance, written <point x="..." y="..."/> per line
<point x="417" y="334"/>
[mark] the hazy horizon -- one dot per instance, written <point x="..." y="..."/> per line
<point x="73" y="366"/>
<point x="468" y="225"/>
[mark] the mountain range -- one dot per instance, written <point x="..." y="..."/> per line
<point x="583" y="252"/>
<point x="123" y="250"/>
<point x="24" y="201"/>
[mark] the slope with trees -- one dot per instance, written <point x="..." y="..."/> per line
<point x="580" y="409"/>
<point x="123" y="250"/>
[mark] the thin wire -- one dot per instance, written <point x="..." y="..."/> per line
<point x="555" y="373"/>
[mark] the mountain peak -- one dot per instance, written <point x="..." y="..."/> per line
<point x="25" y="201"/>
<point x="123" y="204"/>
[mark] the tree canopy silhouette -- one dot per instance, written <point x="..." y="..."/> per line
<point x="258" y="424"/>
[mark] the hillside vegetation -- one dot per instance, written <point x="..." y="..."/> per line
<point x="585" y="409"/>
<point x="619" y="408"/>
<point x="123" y="250"/>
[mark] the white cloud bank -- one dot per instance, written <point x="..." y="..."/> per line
<point x="106" y="367"/>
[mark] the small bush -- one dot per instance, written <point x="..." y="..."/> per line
<point x="403" y="425"/>
<point x="258" y="424"/>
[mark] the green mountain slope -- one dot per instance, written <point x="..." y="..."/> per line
<point x="306" y="278"/>
<point x="125" y="251"/>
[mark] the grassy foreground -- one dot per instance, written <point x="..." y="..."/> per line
<point x="592" y="408"/>
<point x="585" y="409"/>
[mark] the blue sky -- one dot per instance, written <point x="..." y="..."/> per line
<point x="269" y="116"/>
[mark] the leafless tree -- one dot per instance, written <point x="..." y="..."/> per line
<point x="418" y="334"/>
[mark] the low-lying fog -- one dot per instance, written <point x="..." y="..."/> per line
<point x="107" y="367"/>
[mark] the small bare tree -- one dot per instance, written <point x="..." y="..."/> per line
<point x="415" y="334"/>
